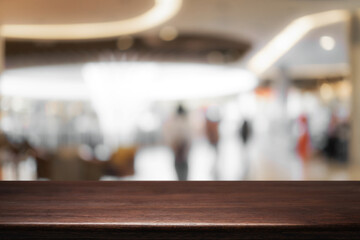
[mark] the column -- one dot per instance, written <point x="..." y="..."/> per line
<point x="2" y="53"/>
<point x="354" y="58"/>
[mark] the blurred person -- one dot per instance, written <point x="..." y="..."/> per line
<point x="331" y="138"/>
<point x="245" y="134"/>
<point x="177" y="132"/>
<point x="212" y="133"/>
<point x="245" y="131"/>
<point x="303" y="147"/>
<point x="17" y="156"/>
<point x="336" y="145"/>
<point x="343" y="134"/>
<point x="7" y="159"/>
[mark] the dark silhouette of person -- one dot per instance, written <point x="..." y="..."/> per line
<point x="178" y="134"/>
<point x="245" y="131"/>
<point x="212" y="122"/>
<point x="245" y="134"/>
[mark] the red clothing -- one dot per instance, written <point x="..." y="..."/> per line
<point x="303" y="145"/>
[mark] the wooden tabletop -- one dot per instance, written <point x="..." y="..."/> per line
<point x="179" y="210"/>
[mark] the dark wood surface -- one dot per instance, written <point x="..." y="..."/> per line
<point x="180" y="210"/>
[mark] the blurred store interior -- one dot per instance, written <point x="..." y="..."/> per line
<point x="179" y="90"/>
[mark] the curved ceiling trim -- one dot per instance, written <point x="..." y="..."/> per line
<point x="162" y="11"/>
<point x="292" y="34"/>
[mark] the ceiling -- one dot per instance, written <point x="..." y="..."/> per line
<point x="255" y="21"/>
<point x="184" y="48"/>
<point x="70" y="11"/>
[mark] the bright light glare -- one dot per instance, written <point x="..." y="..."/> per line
<point x="153" y="81"/>
<point x="120" y="92"/>
<point x="286" y="39"/>
<point x="327" y="43"/>
<point x="168" y="81"/>
<point x="326" y="92"/>
<point x="43" y="83"/>
<point x="162" y="11"/>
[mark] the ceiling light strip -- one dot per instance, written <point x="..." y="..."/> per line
<point x="162" y="11"/>
<point x="287" y="38"/>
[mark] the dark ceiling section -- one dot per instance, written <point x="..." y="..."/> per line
<point x="305" y="83"/>
<point x="185" y="48"/>
<point x="315" y="83"/>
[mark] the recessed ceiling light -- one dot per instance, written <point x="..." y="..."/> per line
<point x="125" y="42"/>
<point x="327" y="43"/>
<point x="168" y="33"/>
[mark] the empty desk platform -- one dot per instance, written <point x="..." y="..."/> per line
<point x="180" y="210"/>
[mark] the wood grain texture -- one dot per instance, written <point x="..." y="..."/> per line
<point x="180" y="210"/>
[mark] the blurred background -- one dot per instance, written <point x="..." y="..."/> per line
<point x="180" y="90"/>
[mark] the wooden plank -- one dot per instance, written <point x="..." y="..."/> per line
<point x="179" y="210"/>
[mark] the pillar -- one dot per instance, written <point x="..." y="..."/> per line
<point x="354" y="64"/>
